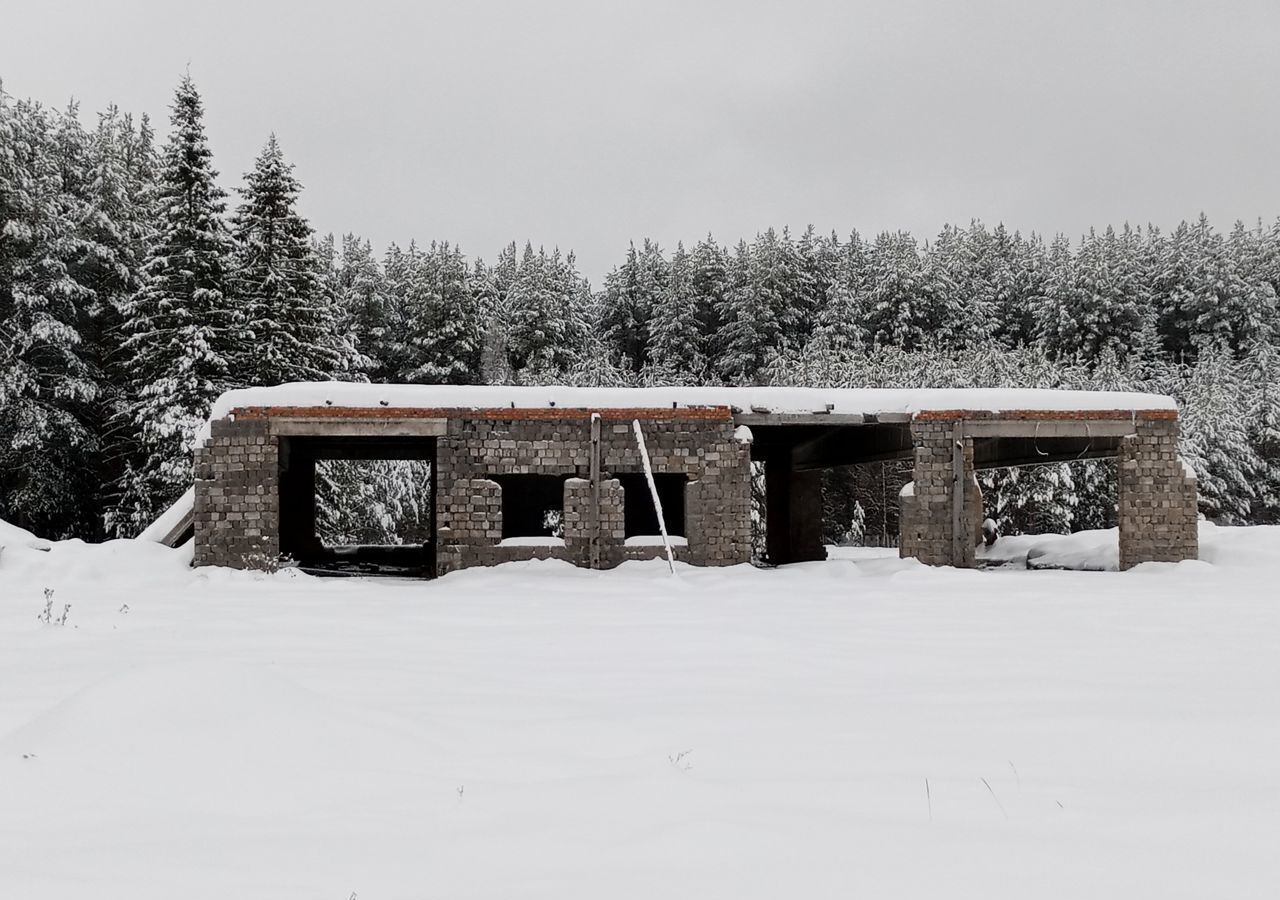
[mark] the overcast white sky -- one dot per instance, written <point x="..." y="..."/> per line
<point x="587" y="124"/>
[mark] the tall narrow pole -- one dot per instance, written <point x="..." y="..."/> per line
<point x="594" y="514"/>
<point x="959" y="533"/>
<point x="653" y="492"/>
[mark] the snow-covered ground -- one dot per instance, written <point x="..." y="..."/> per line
<point x="863" y="727"/>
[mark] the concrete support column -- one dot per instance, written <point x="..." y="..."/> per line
<point x="938" y="517"/>
<point x="237" y="513"/>
<point x="793" y="504"/>
<point x="468" y="512"/>
<point x="594" y="522"/>
<point x="1157" y="497"/>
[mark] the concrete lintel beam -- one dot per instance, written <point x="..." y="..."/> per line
<point x="1050" y="428"/>
<point x="358" y="427"/>
<point x="754" y="419"/>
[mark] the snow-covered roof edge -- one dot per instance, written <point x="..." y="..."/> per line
<point x="840" y="401"/>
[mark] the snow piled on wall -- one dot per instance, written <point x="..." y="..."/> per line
<point x="844" y="401"/>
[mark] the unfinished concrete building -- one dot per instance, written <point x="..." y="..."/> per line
<point x="553" y="472"/>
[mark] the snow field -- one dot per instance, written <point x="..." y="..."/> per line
<point x="518" y="731"/>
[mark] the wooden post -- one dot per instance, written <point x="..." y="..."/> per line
<point x="593" y="521"/>
<point x="959" y="533"/>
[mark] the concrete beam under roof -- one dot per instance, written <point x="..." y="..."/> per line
<point x="1049" y="428"/>
<point x="325" y="426"/>
<point x="756" y="419"/>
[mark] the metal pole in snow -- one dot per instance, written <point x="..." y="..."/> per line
<point x="653" y="492"/>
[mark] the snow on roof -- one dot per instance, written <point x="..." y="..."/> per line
<point x="847" y="401"/>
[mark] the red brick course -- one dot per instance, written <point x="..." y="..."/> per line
<point x="539" y="414"/>
<point x="1049" y="415"/>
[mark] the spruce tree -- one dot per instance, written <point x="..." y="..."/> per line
<point x="542" y="317"/>
<point x="749" y="333"/>
<point x="630" y="293"/>
<point x="360" y="294"/>
<point x="819" y="273"/>
<point x="776" y="268"/>
<point x="840" y="324"/>
<point x="1215" y="438"/>
<point x="288" y="318"/>
<point x="184" y="333"/>
<point x="443" y="325"/>
<point x="1262" y="376"/>
<point x="910" y="301"/>
<point x="119" y="170"/>
<point x="1101" y="302"/>
<point x="46" y="385"/>
<point x="676" y="342"/>
<point x="709" y="280"/>
<point x="1017" y="267"/>
<point x="1203" y="300"/>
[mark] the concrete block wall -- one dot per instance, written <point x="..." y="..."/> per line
<point x="474" y="520"/>
<point x="926" y="529"/>
<point x="1157" y="498"/>
<point x="577" y="521"/>
<point x="545" y="442"/>
<point x="237" y="507"/>
<point x="237" y="517"/>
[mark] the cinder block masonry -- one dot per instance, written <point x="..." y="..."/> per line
<point x="497" y="470"/>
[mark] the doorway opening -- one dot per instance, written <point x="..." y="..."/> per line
<point x="358" y="505"/>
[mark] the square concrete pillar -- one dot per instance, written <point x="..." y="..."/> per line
<point x="1157" y="497"/>
<point x="932" y="529"/>
<point x="793" y="508"/>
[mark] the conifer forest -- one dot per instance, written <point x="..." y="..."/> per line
<point x="136" y="286"/>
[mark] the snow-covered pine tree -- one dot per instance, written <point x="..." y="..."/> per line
<point x="115" y="229"/>
<point x="1201" y="297"/>
<point x="493" y="290"/>
<point x="576" y="304"/>
<point x="184" y="333"/>
<point x="709" y="277"/>
<point x="963" y="260"/>
<point x="541" y="316"/>
<point x="46" y="386"/>
<point x="676" y="345"/>
<point x="491" y="306"/>
<point x="1262" y="377"/>
<point x="442" y="321"/>
<point x="352" y="365"/>
<point x="819" y="276"/>
<point x="1215" y="437"/>
<point x="1057" y="297"/>
<point x="630" y="292"/>
<point x="289" y="320"/>
<point x="399" y="269"/>
<point x="749" y="332"/>
<point x="1101" y="299"/>
<point x="360" y="295"/>
<point x="910" y="302"/>
<point x="1030" y="499"/>
<point x="776" y="277"/>
<point x="1017" y="272"/>
<point x="1253" y="259"/>
<point x="840" y="324"/>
